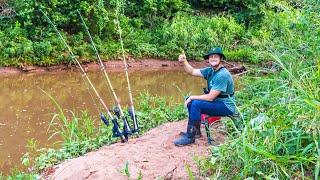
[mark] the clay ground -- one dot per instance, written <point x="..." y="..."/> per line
<point x="153" y="155"/>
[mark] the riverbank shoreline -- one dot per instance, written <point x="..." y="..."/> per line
<point x="153" y="155"/>
<point x="114" y="66"/>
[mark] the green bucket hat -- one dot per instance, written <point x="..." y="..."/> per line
<point x="214" y="50"/>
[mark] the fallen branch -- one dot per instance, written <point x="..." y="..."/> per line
<point x="169" y="175"/>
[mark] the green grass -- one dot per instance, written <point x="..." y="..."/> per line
<point x="20" y="175"/>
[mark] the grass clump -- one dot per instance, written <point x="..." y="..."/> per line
<point x="16" y="174"/>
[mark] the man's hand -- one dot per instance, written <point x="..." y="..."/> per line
<point x="187" y="67"/>
<point x="182" y="57"/>
<point x="187" y="101"/>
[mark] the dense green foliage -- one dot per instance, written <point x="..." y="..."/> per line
<point x="154" y="29"/>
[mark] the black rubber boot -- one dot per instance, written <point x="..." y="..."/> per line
<point x="197" y="131"/>
<point x="188" y="138"/>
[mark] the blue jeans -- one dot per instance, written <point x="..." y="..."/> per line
<point x="211" y="108"/>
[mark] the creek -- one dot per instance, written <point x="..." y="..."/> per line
<point x="25" y="111"/>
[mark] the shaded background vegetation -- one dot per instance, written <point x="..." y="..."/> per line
<point x="153" y="28"/>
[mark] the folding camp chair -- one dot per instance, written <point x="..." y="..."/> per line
<point x="208" y="121"/>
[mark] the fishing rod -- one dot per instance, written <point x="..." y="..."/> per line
<point x="131" y="107"/>
<point x="116" y="128"/>
<point x="118" y="111"/>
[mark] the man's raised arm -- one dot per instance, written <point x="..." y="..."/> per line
<point x="187" y="67"/>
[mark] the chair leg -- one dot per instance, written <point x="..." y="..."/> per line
<point x="206" y="124"/>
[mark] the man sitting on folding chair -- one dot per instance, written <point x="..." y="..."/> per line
<point x="219" y="100"/>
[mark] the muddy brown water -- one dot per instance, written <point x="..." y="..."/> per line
<point x="25" y="111"/>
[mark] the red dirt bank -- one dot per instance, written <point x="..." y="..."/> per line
<point x="153" y="155"/>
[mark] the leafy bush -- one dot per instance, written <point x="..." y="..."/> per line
<point x="152" y="13"/>
<point x="62" y="12"/>
<point x="246" y="11"/>
<point x="196" y="35"/>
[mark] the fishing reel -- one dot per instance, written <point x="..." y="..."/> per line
<point x="126" y="129"/>
<point x="116" y="132"/>
<point x="116" y="111"/>
<point x="104" y="119"/>
<point x="134" y="119"/>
